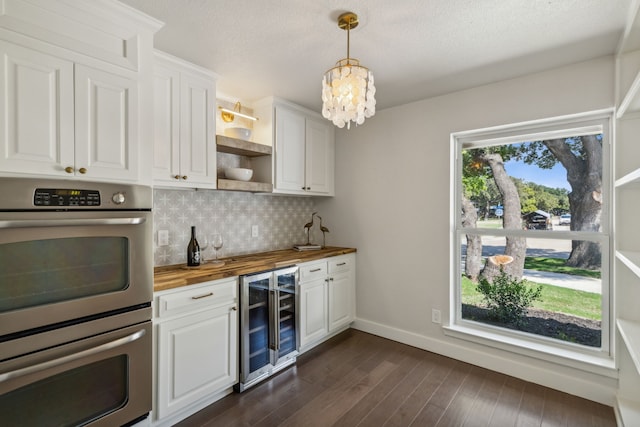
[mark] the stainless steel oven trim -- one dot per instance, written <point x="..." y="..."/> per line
<point x="137" y="227"/>
<point x="29" y="223"/>
<point x="72" y="357"/>
<point x="140" y="375"/>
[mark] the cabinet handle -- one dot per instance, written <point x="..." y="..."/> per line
<point x="68" y="169"/>
<point x="82" y="170"/>
<point x="331" y="278"/>
<point x="203" y="296"/>
<point x="341" y="264"/>
<point x="314" y="270"/>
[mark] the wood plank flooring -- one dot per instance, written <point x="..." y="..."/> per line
<point x="358" y="379"/>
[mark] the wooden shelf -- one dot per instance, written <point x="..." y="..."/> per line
<point x="255" y="187"/>
<point x="630" y="332"/>
<point x="241" y="147"/>
<point x="631" y="260"/>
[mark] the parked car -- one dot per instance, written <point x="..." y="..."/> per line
<point x="565" y="219"/>
<point x="538" y="220"/>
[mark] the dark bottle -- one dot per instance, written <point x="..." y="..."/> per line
<point x="193" y="250"/>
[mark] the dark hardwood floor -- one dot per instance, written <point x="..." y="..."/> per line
<point x="358" y="379"/>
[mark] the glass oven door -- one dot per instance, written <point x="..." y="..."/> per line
<point x="61" y="266"/>
<point x="103" y="379"/>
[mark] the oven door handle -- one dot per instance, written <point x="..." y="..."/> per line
<point x="72" y="357"/>
<point x="28" y="223"/>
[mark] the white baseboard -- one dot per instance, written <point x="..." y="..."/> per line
<point x="598" y="389"/>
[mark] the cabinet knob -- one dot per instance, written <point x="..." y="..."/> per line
<point x="184" y="177"/>
<point x="82" y="170"/>
<point x="177" y="176"/>
<point x="68" y="169"/>
<point x="234" y="308"/>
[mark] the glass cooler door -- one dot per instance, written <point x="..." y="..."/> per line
<point x="285" y="310"/>
<point x="256" y="327"/>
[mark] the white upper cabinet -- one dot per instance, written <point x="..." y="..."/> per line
<point x="184" y="152"/>
<point x="290" y="151"/>
<point x="319" y="161"/>
<point x="303" y="149"/>
<point x="36" y="111"/>
<point x="106" y="125"/>
<point x="74" y="86"/>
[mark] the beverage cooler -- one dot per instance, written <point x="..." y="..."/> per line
<point x="268" y="324"/>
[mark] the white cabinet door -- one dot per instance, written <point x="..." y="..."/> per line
<point x="184" y="127"/>
<point x="290" y="151"/>
<point x="340" y="300"/>
<point x="197" y="356"/>
<point x="36" y="112"/>
<point x="319" y="162"/>
<point x="197" y="131"/>
<point x="106" y="111"/>
<point x="166" y="140"/>
<point x="313" y="311"/>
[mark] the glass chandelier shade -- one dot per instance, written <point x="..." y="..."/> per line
<point x="348" y="89"/>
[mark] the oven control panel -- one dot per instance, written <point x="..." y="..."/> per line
<point x="65" y="197"/>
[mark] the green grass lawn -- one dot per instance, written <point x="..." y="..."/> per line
<point x="490" y="223"/>
<point x="554" y="298"/>
<point x="557" y="265"/>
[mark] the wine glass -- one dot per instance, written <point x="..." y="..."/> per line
<point x="204" y="244"/>
<point x="216" y="242"/>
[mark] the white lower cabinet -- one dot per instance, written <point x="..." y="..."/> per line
<point x="313" y="311"/>
<point x="327" y="298"/>
<point x="197" y="348"/>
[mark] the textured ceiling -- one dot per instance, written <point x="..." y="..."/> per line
<point x="415" y="48"/>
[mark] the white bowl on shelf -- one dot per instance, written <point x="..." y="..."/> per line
<point x="238" y="174"/>
<point x="239" y="133"/>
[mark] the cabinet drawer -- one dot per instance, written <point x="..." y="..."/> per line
<point x="340" y="264"/>
<point x="203" y="296"/>
<point x="312" y="271"/>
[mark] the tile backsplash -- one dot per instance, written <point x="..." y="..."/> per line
<point x="280" y="221"/>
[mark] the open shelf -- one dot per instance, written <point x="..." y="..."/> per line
<point x="630" y="333"/>
<point x="631" y="260"/>
<point x="255" y="187"/>
<point x="241" y="147"/>
<point x="631" y="102"/>
<point x="630" y="179"/>
<point x="629" y="411"/>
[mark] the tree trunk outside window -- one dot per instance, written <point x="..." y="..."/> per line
<point x="515" y="246"/>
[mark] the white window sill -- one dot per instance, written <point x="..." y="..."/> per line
<point x="593" y="362"/>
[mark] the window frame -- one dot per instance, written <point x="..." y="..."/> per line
<point x="525" y="343"/>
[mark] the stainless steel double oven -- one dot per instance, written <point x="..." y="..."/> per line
<point x="76" y="283"/>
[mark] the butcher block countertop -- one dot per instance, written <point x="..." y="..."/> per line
<point x="175" y="276"/>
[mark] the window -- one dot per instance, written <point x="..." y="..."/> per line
<point x="531" y="234"/>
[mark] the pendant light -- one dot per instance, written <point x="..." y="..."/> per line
<point x="348" y="90"/>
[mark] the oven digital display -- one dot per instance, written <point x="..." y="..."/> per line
<point x="65" y="197"/>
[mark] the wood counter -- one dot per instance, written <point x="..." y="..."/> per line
<point x="175" y="276"/>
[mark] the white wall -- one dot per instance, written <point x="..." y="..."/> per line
<point x="392" y="203"/>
